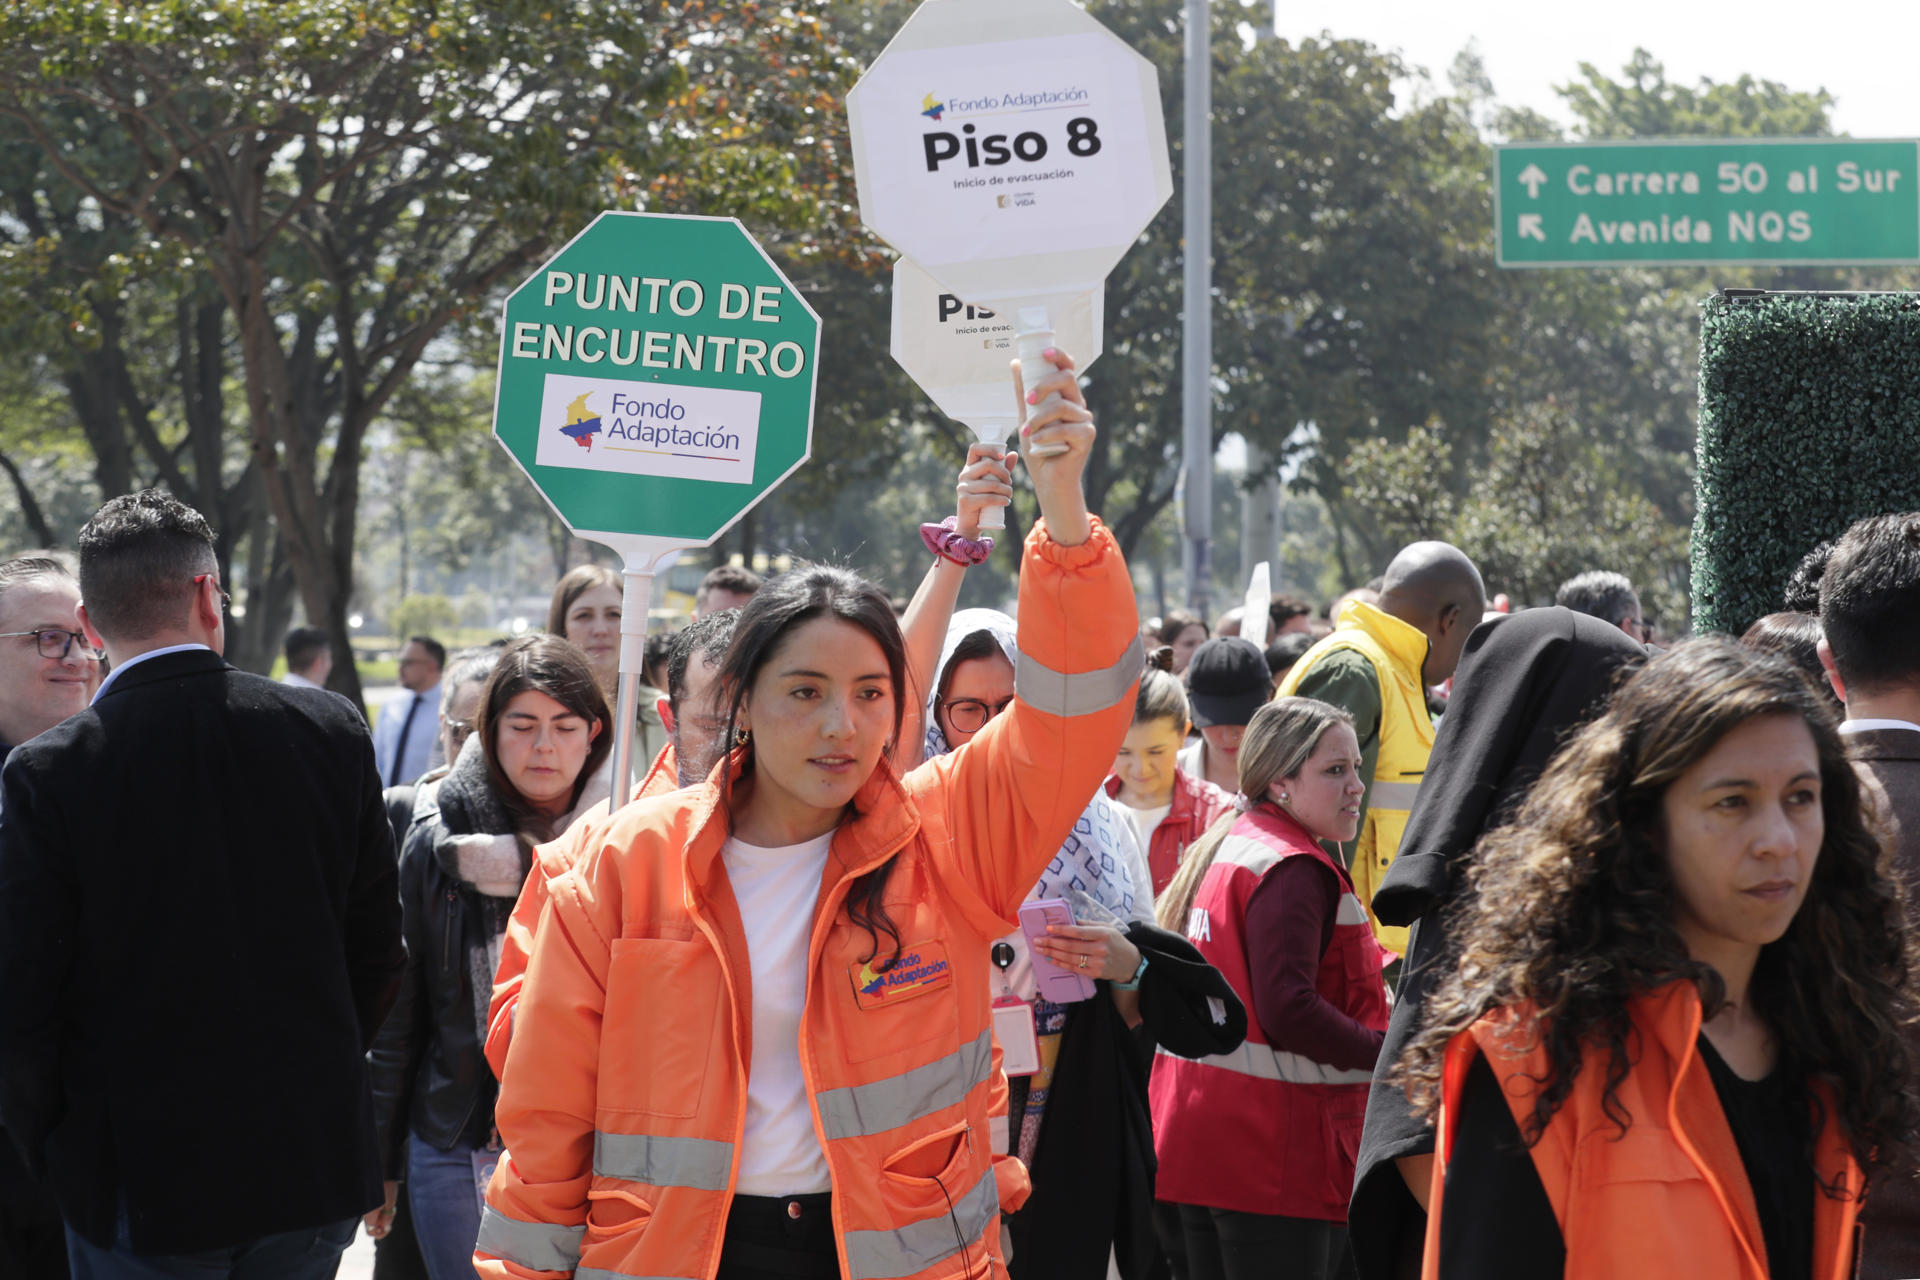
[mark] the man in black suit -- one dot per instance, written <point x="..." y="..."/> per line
<point x="1870" y="617"/>
<point x="199" y="935"/>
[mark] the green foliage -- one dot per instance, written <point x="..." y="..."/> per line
<point x="1809" y="420"/>
<point x="1644" y="104"/>
<point x="1549" y="503"/>
<point x="423" y="616"/>
<point x="346" y="184"/>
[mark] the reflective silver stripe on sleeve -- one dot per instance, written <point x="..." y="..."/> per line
<point x="1083" y="692"/>
<point x="1265" y="1063"/>
<point x="1392" y="795"/>
<point x="859" y="1110"/>
<point x="905" y="1251"/>
<point x="1239" y="851"/>
<point x="539" y="1246"/>
<point x="699" y="1163"/>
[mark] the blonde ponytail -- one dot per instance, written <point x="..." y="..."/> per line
<point x="1279" y="738"/>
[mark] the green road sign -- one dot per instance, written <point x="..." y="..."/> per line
<point x="656" y="379"/>
<point x="1809" y="201"/>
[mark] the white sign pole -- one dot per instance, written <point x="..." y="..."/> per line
<point x="643" y="558"/>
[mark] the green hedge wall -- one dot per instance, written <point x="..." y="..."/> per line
<point x="1809" y="420"/>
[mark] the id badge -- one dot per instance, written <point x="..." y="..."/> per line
<point x="1014" y="1028"/>
<point x="484" y="1162"/>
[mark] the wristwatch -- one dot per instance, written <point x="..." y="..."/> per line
<point x="1133" y="983"/>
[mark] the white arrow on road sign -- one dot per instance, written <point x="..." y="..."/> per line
<point x="1531" y="228"/>
<point x="1531" y="177"/>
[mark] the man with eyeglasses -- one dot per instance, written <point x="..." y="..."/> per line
<point x="47" y="673"/>
<point x="47" y="668"/>
<point x="199" y="936"/>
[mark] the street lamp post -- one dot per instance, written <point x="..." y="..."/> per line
<point x="1197" y="382"/>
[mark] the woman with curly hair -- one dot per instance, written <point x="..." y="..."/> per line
<point x="1671" y="1046"/>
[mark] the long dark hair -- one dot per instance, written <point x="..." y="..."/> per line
<point x="556" y="667"/>
<point x="1572" y="909"/>
<point x="788" y="602"/>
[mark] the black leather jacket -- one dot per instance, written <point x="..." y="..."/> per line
<point x="430" y="1076"/>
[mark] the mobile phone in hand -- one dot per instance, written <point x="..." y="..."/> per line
<point x="1056" y="984"/>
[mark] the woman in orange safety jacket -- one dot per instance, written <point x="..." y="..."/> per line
<point x="1671" y="1041"/>
<point x="754" y="1036"/>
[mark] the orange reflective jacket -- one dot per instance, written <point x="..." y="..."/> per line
<point x="1670" y="1196"/>
<point x="549" y="862"/>
<point x="623" y="1102"/>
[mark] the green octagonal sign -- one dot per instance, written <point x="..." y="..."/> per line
<point x="656" y="380"/>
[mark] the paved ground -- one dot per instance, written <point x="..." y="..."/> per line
<point x="357" y="1262"/>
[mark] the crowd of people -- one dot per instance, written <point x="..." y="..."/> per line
<point x="1431" y="939"/>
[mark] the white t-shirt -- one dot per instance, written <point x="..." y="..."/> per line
<point x="778" y="890"/>
<point x="1145" y="821"/>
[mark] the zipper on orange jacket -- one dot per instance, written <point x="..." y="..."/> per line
<point x="1690" y="1057"/>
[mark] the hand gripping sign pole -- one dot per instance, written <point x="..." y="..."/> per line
<point x="958" y="353"/>
<point x="1014" y="150"/>
<point x="656" y="381"/>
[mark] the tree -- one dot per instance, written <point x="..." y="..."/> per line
<point x="140" y="351"/>
<point x="352" y="181"/>
<point x="1351" y="264"/>
<point x="1549" y="504"/>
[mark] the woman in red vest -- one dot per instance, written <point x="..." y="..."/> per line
<point x="1256" y="1147"/>
<point x="1672" y="1040"/>
<point x="1170" y="807"/>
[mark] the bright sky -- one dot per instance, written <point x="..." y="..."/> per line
<point x="1858" y="50"/>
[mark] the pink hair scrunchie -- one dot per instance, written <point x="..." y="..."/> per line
<point x="943" y="540"/>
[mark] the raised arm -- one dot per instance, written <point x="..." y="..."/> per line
<point x="1011" y="795"/>
<point x="986" y="482"/>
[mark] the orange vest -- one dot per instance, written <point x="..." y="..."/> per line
<point x="623" y="1102"/>
<point x="1670" y="1197"/>
<point x="550" y="861"/>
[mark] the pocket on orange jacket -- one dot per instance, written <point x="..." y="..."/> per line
<point x="612" y="1210"/>
<point x="940" y="1156"/>
<point x="929" y="1178"/>
<point x="663" y="1017"/>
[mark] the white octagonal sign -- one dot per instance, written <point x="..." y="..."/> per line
<point x="1010" y="147"/>
<point x="960" y="353"/>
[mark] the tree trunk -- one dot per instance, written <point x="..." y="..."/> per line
<point x="560" y="543"/>
<point x="749" y="532"/>
<point x="92" y="401"/>
<point x="30" y="509"/>
<point x="270" y="596"/>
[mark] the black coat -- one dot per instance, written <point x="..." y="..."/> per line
<point x="1525" y="684"/>
<point x="430" y="1072"/>
<point x="1093" y="1167"/>
<point x="199" y="935"/>
<point x="1890" y="1219"/>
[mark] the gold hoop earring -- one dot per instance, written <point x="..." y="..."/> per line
<point x="742" y="737"/>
